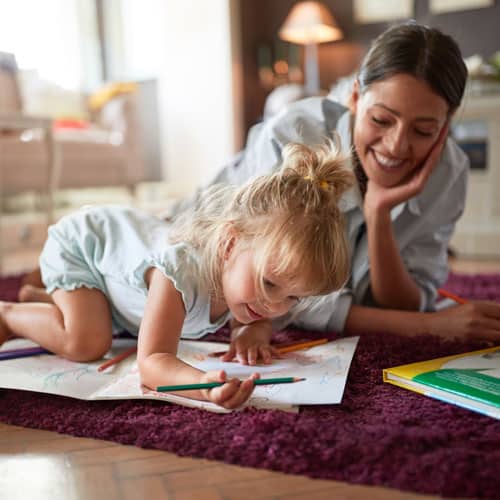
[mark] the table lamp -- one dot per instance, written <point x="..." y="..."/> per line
<point x="308" y="24"/>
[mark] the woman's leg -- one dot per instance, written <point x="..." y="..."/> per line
<point x="76" y="326"/>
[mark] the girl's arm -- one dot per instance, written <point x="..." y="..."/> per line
<point x="159" y="336"/>
<point x="251" y="342"/>
<point x="391" y="283"/>
<point x="475" y="320"/>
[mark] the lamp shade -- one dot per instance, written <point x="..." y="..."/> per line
<point x="310" y="22"/>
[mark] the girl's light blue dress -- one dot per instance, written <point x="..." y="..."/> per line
<point x="110" y="248"/>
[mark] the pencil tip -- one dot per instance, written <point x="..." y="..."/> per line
<point x="298" y="379"/>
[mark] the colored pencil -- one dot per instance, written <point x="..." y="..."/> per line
<point x="452" y="296"/>
<point x="301" y="345"/>
<point x="211" y="385"/>
<point x="117" y="359"/>
<point x="294" y="346"/>
<point x="22" y="353"/>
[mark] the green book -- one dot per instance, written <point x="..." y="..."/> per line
<point x="470" y="380"/>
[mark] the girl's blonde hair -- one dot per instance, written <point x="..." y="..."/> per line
<point x="289" y="218"/>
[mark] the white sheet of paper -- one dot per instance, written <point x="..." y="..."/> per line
<point x="325" y="368"/>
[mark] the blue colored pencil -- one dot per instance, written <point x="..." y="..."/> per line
<point x="22" y="353"/>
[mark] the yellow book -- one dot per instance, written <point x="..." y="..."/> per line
<point x="470" y="380"/>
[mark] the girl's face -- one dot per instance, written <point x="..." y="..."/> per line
<point x="397" y="121"/>
<point x="244" y="299"/>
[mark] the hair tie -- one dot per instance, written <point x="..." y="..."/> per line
<point x="322" y="184"/>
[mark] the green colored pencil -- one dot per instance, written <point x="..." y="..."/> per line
<point x="211" y="385"/>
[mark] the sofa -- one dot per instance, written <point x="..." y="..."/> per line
<point x="42" y="154"/>
<point x="107" y="151"/>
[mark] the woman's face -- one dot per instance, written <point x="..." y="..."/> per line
<point x="397" y="121"/>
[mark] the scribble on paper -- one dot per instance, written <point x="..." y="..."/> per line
<point x="58" y="377"/>
<point x="304" y="359"/>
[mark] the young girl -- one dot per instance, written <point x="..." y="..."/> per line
<point x="246" y="253"/>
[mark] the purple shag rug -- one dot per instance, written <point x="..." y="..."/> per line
<point x="379" y="435"/>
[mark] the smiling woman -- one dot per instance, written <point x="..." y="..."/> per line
<point x="411" y="186"/>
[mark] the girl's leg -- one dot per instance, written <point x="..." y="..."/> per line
<point x="76" y="326"/>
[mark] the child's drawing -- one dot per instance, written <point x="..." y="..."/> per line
<point x="324" y="367"/>
<point x="305" y="359"/>
<point x="58" y="378"/>
<point x="325" y="379"/>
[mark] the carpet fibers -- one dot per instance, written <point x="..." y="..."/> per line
<point x="379" y="435"/>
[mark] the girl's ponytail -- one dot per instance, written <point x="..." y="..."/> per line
<point x="320" y="174"/>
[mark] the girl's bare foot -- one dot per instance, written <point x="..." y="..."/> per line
<point x="33" y="278"/>
<point x="30" y="293"/>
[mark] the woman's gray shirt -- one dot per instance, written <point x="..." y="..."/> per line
<point x="422" y="226"/>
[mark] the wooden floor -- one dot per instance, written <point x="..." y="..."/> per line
<point x="42" y="465"/>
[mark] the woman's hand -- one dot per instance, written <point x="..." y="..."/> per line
<point x="392" y="285"/>
<point x="230" y="395"/>
<point x="249" y="343"/>
<point x="474" y="320"/>
<point x="385" y="198"/>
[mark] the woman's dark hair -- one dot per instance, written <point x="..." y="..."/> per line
<point x="423" y="52"/>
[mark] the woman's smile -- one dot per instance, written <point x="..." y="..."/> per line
<point x="387" y="162"/>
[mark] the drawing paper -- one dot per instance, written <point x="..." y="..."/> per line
<point x="325" y="368"/>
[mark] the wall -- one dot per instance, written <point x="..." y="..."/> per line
<point x="190" y="49"/>
<point x="476" y="31"/>
<point x="196" y="91"/>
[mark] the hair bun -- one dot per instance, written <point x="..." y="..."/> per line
<point x="321" y="168"/>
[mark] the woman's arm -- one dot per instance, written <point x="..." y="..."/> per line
<point x="159" y="336"/>
<point x="475" y="320"/>
<point x="390" y="282"/>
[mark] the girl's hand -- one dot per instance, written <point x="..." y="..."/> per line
<point x="230" y="395"/>
<point x="250" y="343"/>
<point x="474" y="320"/>
<point x="385" y="198"/>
